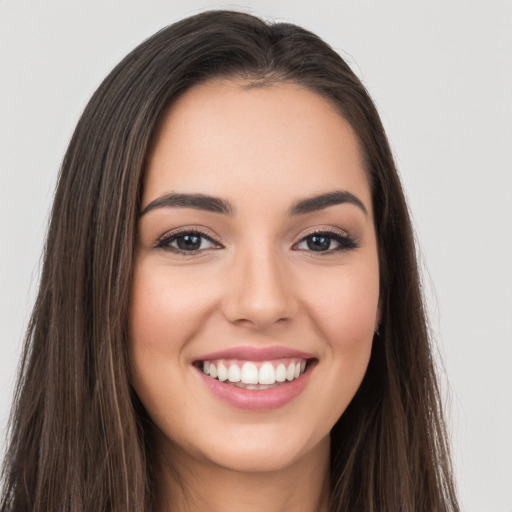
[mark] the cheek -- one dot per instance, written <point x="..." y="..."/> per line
<point x="166" y="311"/>
<point x="165" y="314"/>
<point x="345" y="307"/>
<point x="344" y="310"/>
<point x="166" y="307"/>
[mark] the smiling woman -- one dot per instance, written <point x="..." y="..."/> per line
<point x="242" y="326"/>
<point x="245" y="308"/>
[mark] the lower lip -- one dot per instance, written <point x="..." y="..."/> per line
<point x="256" y="400"/>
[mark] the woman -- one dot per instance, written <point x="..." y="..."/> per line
<point x="229" y="314"/>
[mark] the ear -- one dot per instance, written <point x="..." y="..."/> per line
<point x="378" y="318"/>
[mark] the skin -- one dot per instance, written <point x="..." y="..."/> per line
<point x="257" y="284"/>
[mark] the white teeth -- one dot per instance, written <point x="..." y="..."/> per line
<point x="290" y="372"/>
<point x="234" y="373"/>
<point x="255" y="386"/>
<point x="249" y="373"/>
<point x="222" y="372"/>
<point x="267" y="374"/>
<point x="280" y="372"/>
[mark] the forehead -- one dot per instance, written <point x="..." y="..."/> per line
<point x="275" y="141"/>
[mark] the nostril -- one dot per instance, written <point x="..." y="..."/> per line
<point x="258" y="295"/>
<point x="246" y="314"/>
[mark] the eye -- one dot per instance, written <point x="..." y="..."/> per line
<point x="186" y="242"/>
<point x="326" y="242"/>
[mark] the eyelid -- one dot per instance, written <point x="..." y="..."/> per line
<point x="330" y="229"/>
<point x="168" y="235"/>
<point x="341" y="236"/>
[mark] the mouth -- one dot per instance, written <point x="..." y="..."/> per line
<point x="254" y="375"/>
<point x="255" y="383"/>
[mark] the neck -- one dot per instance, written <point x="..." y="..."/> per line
<point x="201" y="485"/>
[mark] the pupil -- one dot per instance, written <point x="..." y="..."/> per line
<point x="189" y="242"/>
<point x="319" y="243"/>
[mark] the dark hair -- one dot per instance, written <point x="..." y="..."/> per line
<point x="78" y="432"/>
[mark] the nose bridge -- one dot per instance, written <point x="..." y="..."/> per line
<point x="258" y="291"/>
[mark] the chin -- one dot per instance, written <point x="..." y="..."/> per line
<point x="259" y="452"/>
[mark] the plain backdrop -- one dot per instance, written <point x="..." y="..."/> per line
<point x="440" y="72"/>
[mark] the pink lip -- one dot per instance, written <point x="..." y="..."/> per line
<point x="255" y="354"/>
<point x="262" y="399"/>
<point x="255" y="400"/>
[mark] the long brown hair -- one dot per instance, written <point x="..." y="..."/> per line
<point x="78" y="432"/>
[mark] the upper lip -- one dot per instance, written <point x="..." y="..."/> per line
<point x="255" y="354"/>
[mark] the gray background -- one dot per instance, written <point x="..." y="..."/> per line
<point x="441" y="75"/>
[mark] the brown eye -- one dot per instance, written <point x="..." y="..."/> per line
<point x="327" y="242"/>
<point x="189" y="242"/>
<point x="186" y="242"/>
<point x="318" y="243"/>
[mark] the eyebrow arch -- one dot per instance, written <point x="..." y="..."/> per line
<point x="197" y="201"/>
<point x="218" y="205"/>
<point x="312" y="204"/>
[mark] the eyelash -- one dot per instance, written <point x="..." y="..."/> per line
<point x="345" y="242"/>
<point x="165" y="241"/>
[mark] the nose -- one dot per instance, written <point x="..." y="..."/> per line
<point x="259" y="293"/>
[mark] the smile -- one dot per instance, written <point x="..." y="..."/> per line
<point x="255" y="375"/>
<point x="256" y="379"/>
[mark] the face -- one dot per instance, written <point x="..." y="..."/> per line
<point x="256" y="281"/>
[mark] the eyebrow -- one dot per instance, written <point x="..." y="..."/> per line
<point x="218" y="205"/>
<point x="197" y="201"/>
<point x="322" y="201"/>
